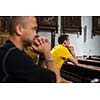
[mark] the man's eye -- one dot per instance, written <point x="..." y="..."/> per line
<point x="35" y="29"/>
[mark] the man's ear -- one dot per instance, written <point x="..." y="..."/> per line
<point x="19" y="29"/>
<point x="64" y="42"/>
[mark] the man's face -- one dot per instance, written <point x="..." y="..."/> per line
<point x="29" y="31"/>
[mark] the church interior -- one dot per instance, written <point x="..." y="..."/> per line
<point x="84" y="33"/>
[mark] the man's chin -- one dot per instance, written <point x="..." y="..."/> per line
<point x="27" y="44"/>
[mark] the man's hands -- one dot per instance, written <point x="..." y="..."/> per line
<point x="41" y="45"/>
<point x="71" y="49"/>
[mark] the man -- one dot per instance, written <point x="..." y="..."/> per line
<point x="15" y="64"/>
<point x="63" y="52"/>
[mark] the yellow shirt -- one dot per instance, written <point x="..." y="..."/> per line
<point x="60" y="53"/>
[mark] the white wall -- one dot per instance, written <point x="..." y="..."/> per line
<point x="90" y="47"/>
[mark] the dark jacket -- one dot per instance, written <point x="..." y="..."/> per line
<point x="17" y="66"/>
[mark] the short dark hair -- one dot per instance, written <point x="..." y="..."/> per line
<point x="14" y="21"/>
<point x="62" y="38"/>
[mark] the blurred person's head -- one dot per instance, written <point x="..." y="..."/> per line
<point x="64" y="40"/>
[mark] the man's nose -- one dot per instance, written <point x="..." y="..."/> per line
<point x="35" y="33"/>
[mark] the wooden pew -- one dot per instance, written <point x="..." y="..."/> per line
<point x="81" y="73"/>
<point x="96" y="56"/>
<point x="89" y="62"/>
<point x="93" y="58"/>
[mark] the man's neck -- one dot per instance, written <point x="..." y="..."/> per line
<point x="16" y="42"/>
<point x="63" y="44"/>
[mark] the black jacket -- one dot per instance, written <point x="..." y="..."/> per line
<point x="16" y="66"/>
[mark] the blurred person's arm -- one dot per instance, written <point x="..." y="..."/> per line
<point x="42" y="46"/>
<point x="73" y="58"/>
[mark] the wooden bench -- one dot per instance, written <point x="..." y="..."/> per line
<point x="89" y="62"/>
<point x="80" y="73"/>
<point x="94" y="58"/>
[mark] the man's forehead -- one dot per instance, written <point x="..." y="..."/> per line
<point x="32" y="20"/>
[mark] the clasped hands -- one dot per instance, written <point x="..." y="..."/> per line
<point x="40" y="45"/>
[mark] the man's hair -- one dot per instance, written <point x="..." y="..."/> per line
<point x="62" y="38"/>
<point x="14" y="21"/>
